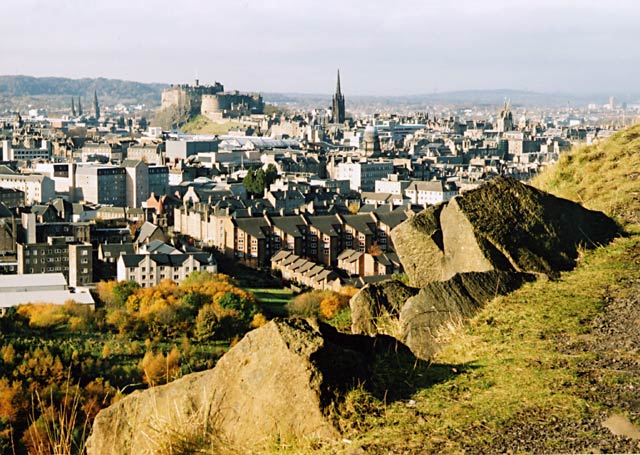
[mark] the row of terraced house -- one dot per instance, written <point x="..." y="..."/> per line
<point x="254" y="238"/>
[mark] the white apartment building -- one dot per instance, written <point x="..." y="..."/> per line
<point x="432" y="192"/>
<point x="101" y="184"/>
<point x="391" y="185"/>
<point x="137" y="186"/>
<point x="362" y="175"/>
<point x="150" y="269"/>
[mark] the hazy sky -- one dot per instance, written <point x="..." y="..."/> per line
<point x="381" y="47"/>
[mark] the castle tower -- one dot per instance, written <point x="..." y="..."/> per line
<point x="337" y="110"/>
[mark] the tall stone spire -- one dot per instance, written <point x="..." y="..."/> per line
<point x="337" y="107"/>
<point x="96" y="106"/>
<point x="79" y="107"/>
<point x="73" y="107"/>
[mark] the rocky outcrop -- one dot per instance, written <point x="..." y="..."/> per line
<point x="502" y="225"/>
<point x="440" y="303"/>
<point x="461" y="254"/>
<point x="280" y="381"/>
<point x="375" y="308"/>
<point x="416" y="316"/>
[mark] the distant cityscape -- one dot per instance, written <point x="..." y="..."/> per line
<point x="304" y="187"/>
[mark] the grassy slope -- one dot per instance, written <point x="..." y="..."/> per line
<point x="202" y="125"/>
<point x="510" y="367"/>
<point x="602" y="176"/>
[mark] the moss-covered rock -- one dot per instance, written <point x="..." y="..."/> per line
<point x="502" y="225"/>
<point x="376" y="308"/>
<point x="441" y="303"/>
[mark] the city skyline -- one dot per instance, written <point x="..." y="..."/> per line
<point x="406" y="48"/>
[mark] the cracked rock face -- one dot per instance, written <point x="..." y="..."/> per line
<point x="416" y="316"/>
<point x="502" y="225"/>
<point x="279" y="382"/>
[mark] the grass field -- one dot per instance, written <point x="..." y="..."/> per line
<point x="273" y="299"/>
<point x="202" y="125"/>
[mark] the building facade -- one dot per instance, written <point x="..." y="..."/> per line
<point x="102" y="184"/>
<point x="74" y="260"/>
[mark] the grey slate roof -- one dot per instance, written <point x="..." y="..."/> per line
<point x="252" y="226"/>
<point x="361" y="223"/>
<point x="326" y="224"/>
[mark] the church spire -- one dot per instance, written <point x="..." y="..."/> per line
<point x="338" y="111"/>
<point x="96" y="106"/>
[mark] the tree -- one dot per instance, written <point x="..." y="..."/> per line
<point x="249" y="181"/>
<point x="259" y="183"/>
<point x="233" y="301"/>
<point x="271" y="174"/>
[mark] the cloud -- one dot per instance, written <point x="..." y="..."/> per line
<point x="405" y="46"/>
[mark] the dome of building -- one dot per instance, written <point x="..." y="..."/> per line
<point x="370" y="133"/>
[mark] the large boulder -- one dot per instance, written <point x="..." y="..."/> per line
<point x="502" y="225"/>
<point x="442" y="303"/>
<point x="280" y="381"/>
<point x="376" y="307"/>
<point x="416" y="316"/>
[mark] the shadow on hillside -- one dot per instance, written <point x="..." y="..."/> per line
<point x="383" y="365"/>
<point x="403" y="380"/>
<point x="247" y="276"/>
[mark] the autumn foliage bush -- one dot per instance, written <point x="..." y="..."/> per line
<point x="204" y="305"/>
<point x="138" y="337"/>
<point x="325" y="304"/>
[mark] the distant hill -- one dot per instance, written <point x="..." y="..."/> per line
<point x="54" y="93"/>
<point x="456" y="98"/>
<point x="17" y="92"/>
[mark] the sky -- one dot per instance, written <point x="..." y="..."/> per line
<point x="398" y="47"/>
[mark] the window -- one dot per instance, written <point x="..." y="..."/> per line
<point x="85" y="252"/>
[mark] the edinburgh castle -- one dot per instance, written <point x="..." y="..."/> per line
<point x="211" y="101"/>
